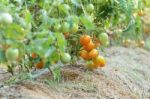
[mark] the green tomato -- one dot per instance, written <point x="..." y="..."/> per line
<point x="12" y="54"/>
<point x="65" y="58"/>
<point x="65" y="27"/>
<point x="90" y="7"/>
<point x="74" y="28"/>
<point x="57" y="27"/>
<point x="6" y="18"/>
<point x="103" y="37"/>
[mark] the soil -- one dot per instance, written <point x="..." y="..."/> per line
<point x="126" y="76"/>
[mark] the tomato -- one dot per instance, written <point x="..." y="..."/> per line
<point x="90" y="7"/>
<point x="6" y="18"/>
<point x="74" y="28"/>
<point x="66" y="35"/>
<point x="97" y="42"/>
<point x="65" y="58"/>
<point x="33" y="55"/>
<point x="85" y="39"/>
<point x="126" y="42"/>
<point x="12" y="54"/>
<point x="93" y="53"/>
<point x="99" y="61"/>
<point x="141" y="43"/>
<point x="91" y="66"/>
<point x="89" y="47"/>
<point x="57" y="27"/>
<point x="103" y="37"/>
<point x="65" y="27"/>
<point x="39" y="65"/>
<point x="84" y="54"/>
<point x="6" y="46"/>
<point x="141" y="13"/>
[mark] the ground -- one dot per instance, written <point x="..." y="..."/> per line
<point x="126" y="76"/>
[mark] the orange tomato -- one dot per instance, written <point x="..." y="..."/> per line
<point x="89" y="46"/>
<point x="99" y="61"/>
<point x="85" y="39"/>
<point x="141" y="43"/>
<point x="39" y="65"/>
<point x="141" y="13"/>
<point x="84" y="54"/>
<point x="66" y="35"/>
<point x="91" y="66"/>
<point x="93" y="53"/>
<point x="33" y="55"/>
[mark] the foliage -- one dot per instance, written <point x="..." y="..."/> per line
<point x="47" y="32"/>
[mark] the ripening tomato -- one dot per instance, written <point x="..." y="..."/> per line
<point x="33" y="55"/>
<point x="91" y="66"/>
<point x="66" y="34"/>
<point x="93" y="53"/>
<point x="90" y="7"/>
<point x="39" y="65"/>
<point x="89" y="46"/>
<point x="99" y="61"/>
<point x="141" y="43"/>
<point x="126" y="42"/>
<point x="6" y="18"/>
<point x="74" y="28"/>
<point x="103" y="37"/>
<point x="12" y="54"/>
<point x="141" y="13"/>
<point x="65" y="58"/>
<point x="57" y="27"/>
<point x="85" y="39"/>
<point x="65" y="27"/>
<point x="84" y="54"/>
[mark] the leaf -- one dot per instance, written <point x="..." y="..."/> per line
<point x="28" y="17"/>
<point x="61" y="41"/>
<point x="87" y="22"/>
<point x="56" y="74"/>
<point x="76" y="2"/>
<point x="15" y="32"/>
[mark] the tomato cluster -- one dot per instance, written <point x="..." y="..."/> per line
<point x="90" y="53"/>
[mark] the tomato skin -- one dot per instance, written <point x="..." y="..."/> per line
<point x="57" y="27"/>
<point x="103" y="37"/>
<point x="91" y="66"/>
<point x="12" y="54"/>
<point x="141" y="43"/>
<point x="90" y="7"/>
<point x="141" y="13"/>
<point x="84" y="54"/>
<point x="99" y="61"/>
<point x="33" y="55"/>
<point x="65" y="58"/>
<point x="89" y="46"/>
<point x="39" y="65"/>
<point x="93" y="53"/>
<point x="85" y="39"/>
<point x="65" y="27"/>
<point x="66" y="35"/>
<point x="74" y="28"/>
<point x="6" y="18"/>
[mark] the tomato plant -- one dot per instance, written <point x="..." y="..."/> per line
<point x="43" y="33"/>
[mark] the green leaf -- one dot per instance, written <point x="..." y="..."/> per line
<point x="87" y="22"/>
<point x="15" y="32"/>
<point x="61" y="41"/>
<point x="28" y="17"/>
<point x="56" y="74"/>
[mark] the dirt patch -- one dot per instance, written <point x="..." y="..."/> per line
<point x="126" y="76"/>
